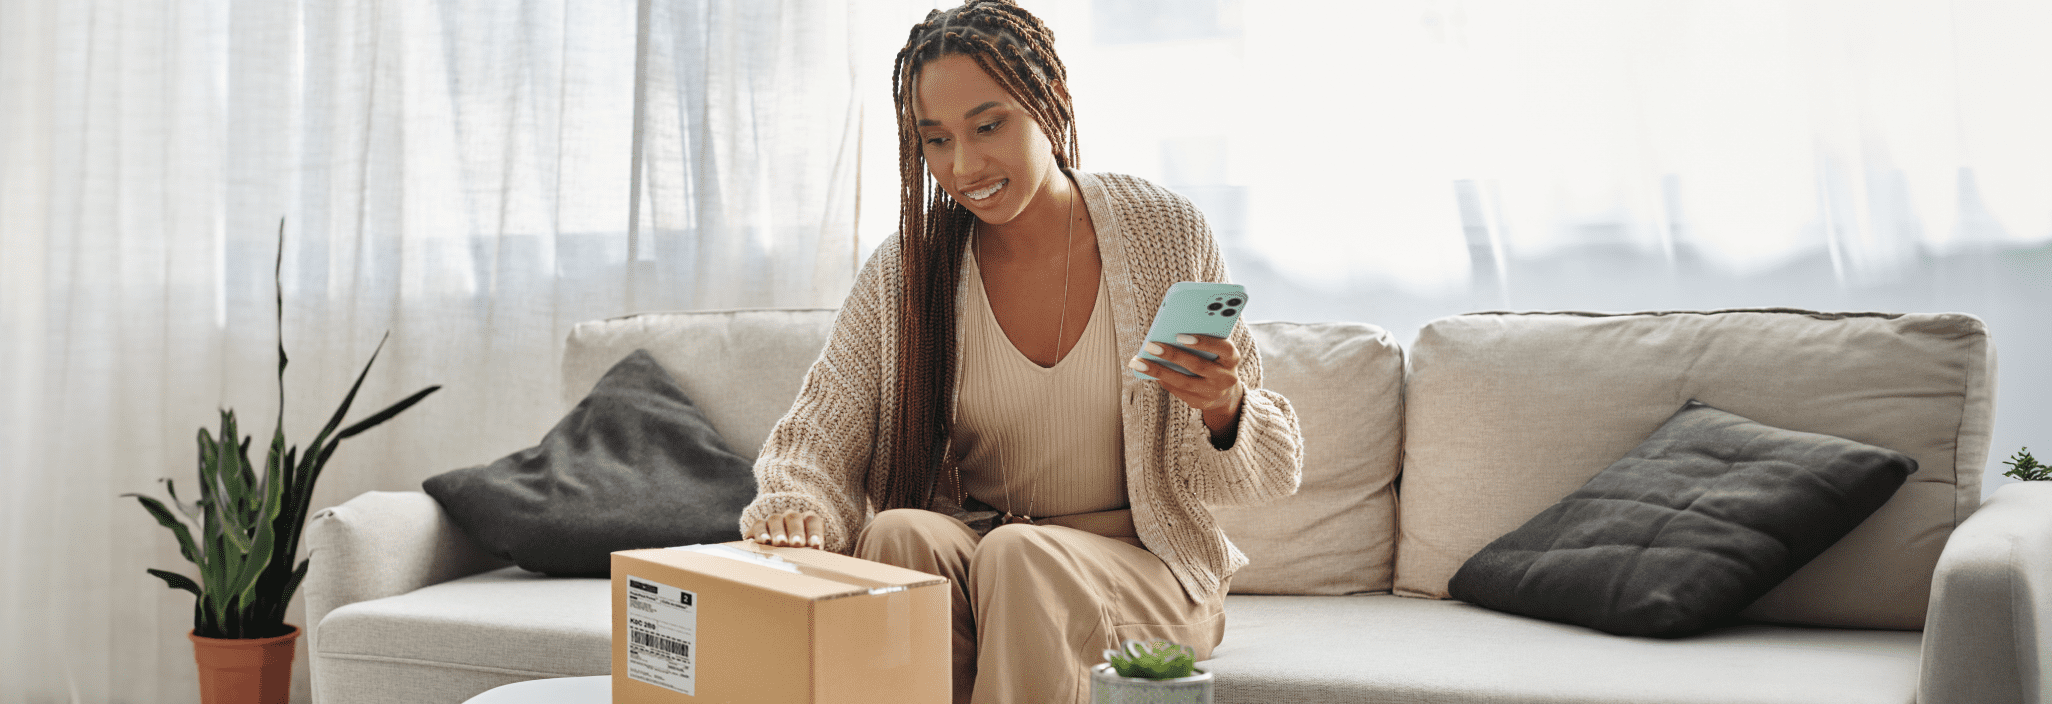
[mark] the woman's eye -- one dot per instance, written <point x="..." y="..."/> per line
<point x="935" y="141"/>
<point x="992" y="127"/>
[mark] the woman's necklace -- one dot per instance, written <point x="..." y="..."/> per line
<point x="1061" y="330"/>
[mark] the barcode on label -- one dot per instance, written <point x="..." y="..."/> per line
<point x="682" y="650"/>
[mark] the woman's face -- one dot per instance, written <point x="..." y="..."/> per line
<point x="982" y="147"/>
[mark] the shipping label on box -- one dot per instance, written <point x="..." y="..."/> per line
<point x="742" y="622"/>
<point x="662" y="628"/>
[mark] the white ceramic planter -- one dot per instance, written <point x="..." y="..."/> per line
<point x="1107" y="687"/>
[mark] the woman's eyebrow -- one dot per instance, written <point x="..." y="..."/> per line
<point x="972" y="113"/>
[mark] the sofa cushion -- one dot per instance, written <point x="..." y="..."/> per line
<point x="1385" y="648"/>
<point x="634" y="465"/>
<point x="1505" y="413"/>
<point x="451" y="641"/>
<point x="1345" y="381"/>
<point x="743" y="366"/>
<point x="1691" y="526"/>
<point x="1337" y="534"/>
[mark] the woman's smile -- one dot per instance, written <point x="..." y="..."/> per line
<point x="970" y="131"/>
<point x="981" y="194"/>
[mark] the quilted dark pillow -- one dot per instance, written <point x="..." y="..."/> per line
<point x="1695" y="523"/>
<point x="635" y="465"/>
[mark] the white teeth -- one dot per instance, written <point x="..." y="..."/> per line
<point x="984" y="193"/>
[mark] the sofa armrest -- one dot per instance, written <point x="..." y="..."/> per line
<point x="1990" y="619"/>
<point x="380" y="544"/>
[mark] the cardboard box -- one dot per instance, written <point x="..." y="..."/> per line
<point x="741" y="623"/>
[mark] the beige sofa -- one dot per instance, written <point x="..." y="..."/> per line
<point x="1490" y="418"/>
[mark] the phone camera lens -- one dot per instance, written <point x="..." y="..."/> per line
<point x="1229" y="312"/>
<point x="1215" y="306"/>
<point x="1233" y="302"/>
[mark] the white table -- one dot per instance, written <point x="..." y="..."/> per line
<point x="555" y="690"/>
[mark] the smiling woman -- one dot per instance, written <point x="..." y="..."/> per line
<point x="992" y="147"/>
<point x="1001" y="145"/>
<point x="982" y="354"/>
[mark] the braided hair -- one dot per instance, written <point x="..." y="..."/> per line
<point x="1016" y="50"/>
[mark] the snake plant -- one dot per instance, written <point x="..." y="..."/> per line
<point x="1160" y="660"/>
<point x="250" y="524"/>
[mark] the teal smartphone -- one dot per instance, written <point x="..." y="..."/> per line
<point x="1194" y="308"/>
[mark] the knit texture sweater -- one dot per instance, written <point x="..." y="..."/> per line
<point x="828" y="453"/>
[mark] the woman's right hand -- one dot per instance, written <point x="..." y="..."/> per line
<point x="790" y="529"/>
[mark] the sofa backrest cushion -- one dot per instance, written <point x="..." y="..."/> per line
<point x="741" y="367"/>
<point x="1506" y="413"/>
<point x="1337" y="534"/>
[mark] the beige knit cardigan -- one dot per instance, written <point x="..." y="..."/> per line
<point x="825" y="455"/>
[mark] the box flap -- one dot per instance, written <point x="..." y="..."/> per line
<point x="853" y="568"/>
<point x="822" y="585"/>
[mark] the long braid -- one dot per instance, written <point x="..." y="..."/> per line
<point x="1017" y="50"/>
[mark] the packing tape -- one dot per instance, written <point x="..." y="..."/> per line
<point x="898" y="629"/>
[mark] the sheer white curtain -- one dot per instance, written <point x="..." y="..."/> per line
<point x="113" y="146"/>
<point x="465" y="174"/>
<point x="459" y="173"/>
<point x="1367" y="136"/>
<point x="1395" y="162"/>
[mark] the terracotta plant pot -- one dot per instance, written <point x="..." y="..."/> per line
<point x="244" y="670"/>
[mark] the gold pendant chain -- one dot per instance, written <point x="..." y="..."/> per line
<point x="1061" y="330"/>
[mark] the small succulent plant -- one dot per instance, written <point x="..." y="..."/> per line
<point x="2024" y="467"/>
<point x="1160" y="660"/>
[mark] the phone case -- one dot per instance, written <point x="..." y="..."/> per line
<point x="1194" y="308"/>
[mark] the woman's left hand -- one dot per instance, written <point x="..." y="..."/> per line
<point x="1216" y="389"/>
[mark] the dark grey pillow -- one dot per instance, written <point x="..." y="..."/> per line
<point x="635" y="465"/>
<point x="1694" y="524"/>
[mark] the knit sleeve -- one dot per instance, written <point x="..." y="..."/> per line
<point x="817" y="456"/>
<point x="1265" y="459"/>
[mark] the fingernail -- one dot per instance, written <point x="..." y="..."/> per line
<point x="781" y="539"/>
<point x="1136" y="364"/>
<point x="816" y="542"/>
<point x="764" y="538"/>
<point x="1152" y="348"/>
<point x="1186" y="339"/>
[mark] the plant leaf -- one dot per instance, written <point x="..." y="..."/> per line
<point x="178" y="528"/>
<point x="208" y="457"/>
<point x="385" y="415"/>
<point x="274" y="482"/>
<point x="291" y="585"/>
<point x="229" y="473"/>
<point x="273" y="469"/>
<point x="229" y="495"/>
<point x="278" y="288"/>
<point x="210" y="461"/>
<point x="227" y="514"/>
<point x="250" y="488"/>
<point x="191" y="510"/>
<point x="225" y="569"/>
<point x="295" y="499"/>
<point x="177" y="581"/>
<point x="243" y="584"/>
<point x="214" y="573"/>
<point x="321" y="441"/>
<point x="263" y="514"/>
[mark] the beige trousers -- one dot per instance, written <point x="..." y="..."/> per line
<point x="1036" y="605"/>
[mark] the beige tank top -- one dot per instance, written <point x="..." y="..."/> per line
<point x="1039" y="441"/>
